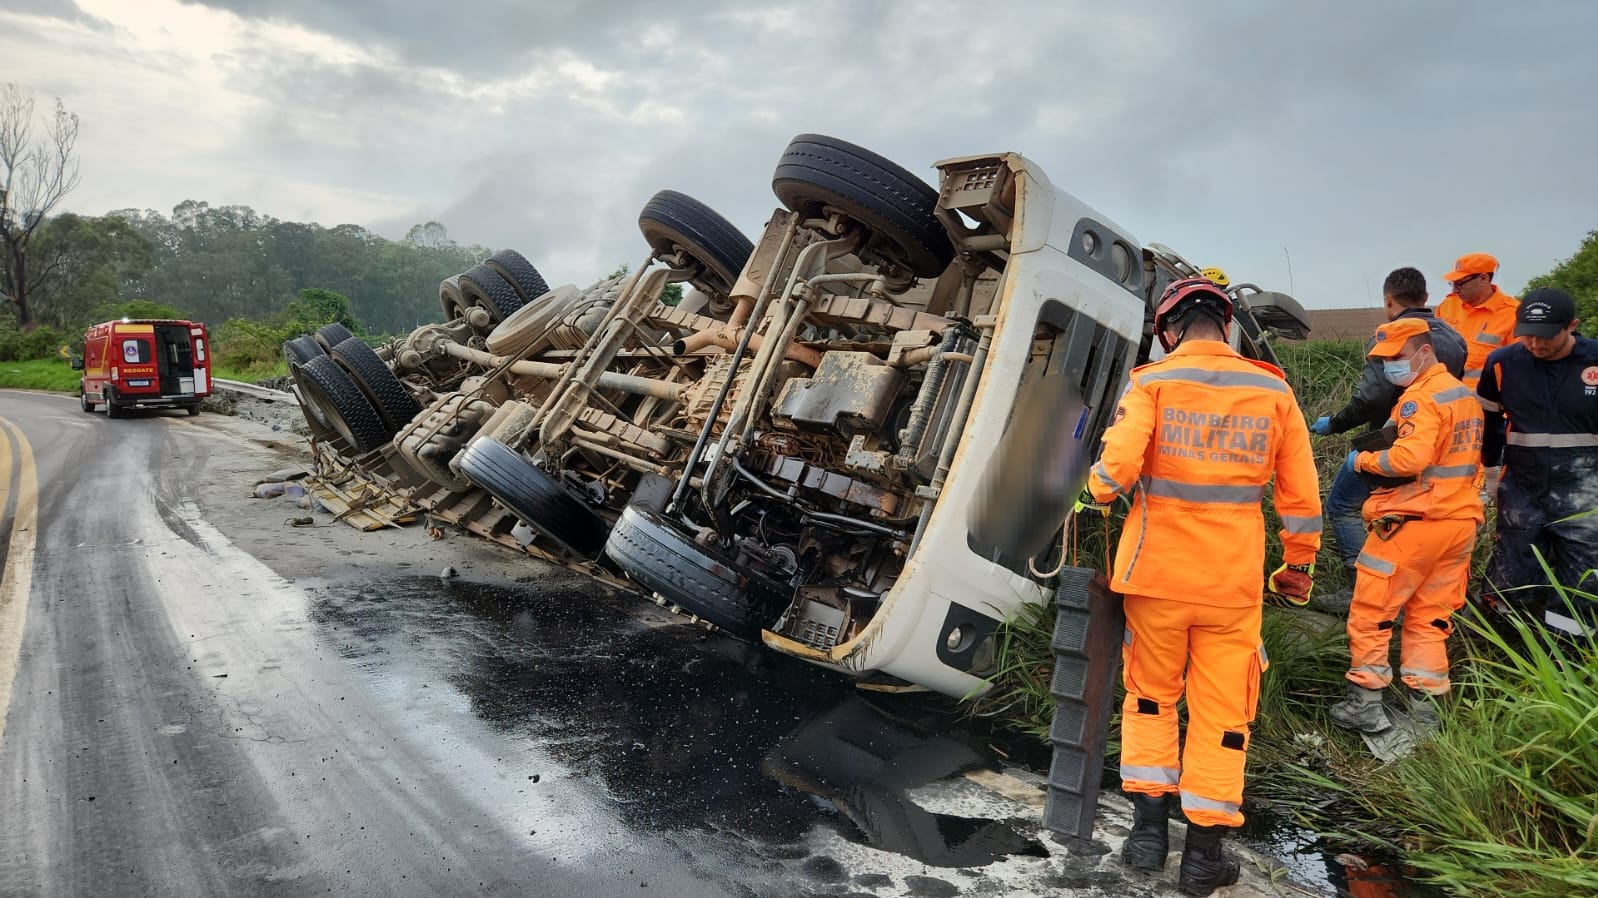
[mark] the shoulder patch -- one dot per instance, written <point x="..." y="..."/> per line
<point x="1589" y="376"/>
<point x="1407" y="409"/>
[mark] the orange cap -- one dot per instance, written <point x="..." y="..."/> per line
<point x="1471" y="263"/>
<point x="1391" y="337"/>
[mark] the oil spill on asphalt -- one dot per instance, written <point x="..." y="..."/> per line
<point x="685" y="731"/>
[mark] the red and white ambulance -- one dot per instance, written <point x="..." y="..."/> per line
<point x="145" y="363"/>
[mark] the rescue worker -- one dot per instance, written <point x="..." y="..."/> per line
<point x="1403" y="296"/>
<point x="1416" y="559"/>
<point x="1196" y="438"/>
<point x="1541" y="397"/>
<point x="1483" y="314"/>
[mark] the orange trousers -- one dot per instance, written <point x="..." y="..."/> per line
<point x="1421" y="571"/>
<point x="1217" y="652"/>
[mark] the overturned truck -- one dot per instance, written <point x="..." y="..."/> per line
<point x="856" y="439"/>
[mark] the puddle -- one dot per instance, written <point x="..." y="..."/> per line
<point x="685" y="731"/>
<point x="1314" y="863"/>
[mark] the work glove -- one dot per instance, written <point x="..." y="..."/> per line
<point x="1348" y="463"/>
<point x="1293" y="583"/>
<point x="1322" y="426"/>
<point x="1086" y="502"/>
<point x="1489" y="489"/>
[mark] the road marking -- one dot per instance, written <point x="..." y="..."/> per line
<point x="17" y="582"/>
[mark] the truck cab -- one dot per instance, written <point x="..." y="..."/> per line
<point x="145" y="363"/>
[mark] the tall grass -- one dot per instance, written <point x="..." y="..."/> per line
<point x="40" y="374"/>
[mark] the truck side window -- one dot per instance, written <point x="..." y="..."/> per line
<point x="135" y="352"/>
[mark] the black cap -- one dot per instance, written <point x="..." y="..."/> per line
<point x="1544" y="313"/>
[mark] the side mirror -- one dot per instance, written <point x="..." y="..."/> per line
<point x="77" y="363"/>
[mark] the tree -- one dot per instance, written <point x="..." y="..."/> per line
<point x="34" y="178"/>
<point x="76" y="263"/>
<point x="1578" y="276"/>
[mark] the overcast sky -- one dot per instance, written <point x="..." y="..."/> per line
<point x="1354" y="138"/>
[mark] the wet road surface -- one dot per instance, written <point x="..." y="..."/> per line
<point x="206" y="702"/>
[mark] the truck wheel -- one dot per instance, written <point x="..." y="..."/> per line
<point x="392" y="400"/>
<point x="112" y="408"/>
<point x="300" y="350"/>
<point x="519" y="273"/>
<point x="817" y="171"/>
<point x="346" y="410"/>
<point x="194" y="411"/>
<point x="484" y="288"/>
<point x="700" y="580"/>
<point x="331" y="335"/>
<point x="84" y="400"/>
<point x="451" y="300"/>
<point x="672" y="221"/>
<point x="534" y="496"/>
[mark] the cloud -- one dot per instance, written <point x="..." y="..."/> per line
<point x="1351" y="139"/>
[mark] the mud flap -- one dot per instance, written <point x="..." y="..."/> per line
<point x="1087" y="654"/>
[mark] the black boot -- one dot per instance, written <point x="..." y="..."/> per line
<point x="1205" y="867"/>
<point x="1150" y="839"/>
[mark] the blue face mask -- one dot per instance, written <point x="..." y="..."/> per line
<point x="1397" y="372"/>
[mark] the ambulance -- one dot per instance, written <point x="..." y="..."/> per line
<point x="144" y="363"/>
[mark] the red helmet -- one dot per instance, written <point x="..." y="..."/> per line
<point x="1183" y="295"/>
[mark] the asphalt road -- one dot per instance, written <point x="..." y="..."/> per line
<point x="197" y="699"/>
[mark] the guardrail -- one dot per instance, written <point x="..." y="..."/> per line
<point x="266" y="393"/>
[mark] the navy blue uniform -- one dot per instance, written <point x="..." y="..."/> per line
<point x="1542" y="421"/>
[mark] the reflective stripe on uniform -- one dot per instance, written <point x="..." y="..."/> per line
<point x="1191" y="802"/>
<point x="1454" y="394"/>
<point x="1168" y="776"/>
<point x="1441" y="472"/>
<point x="1473" y="372"/>
<point x="1386" y="464"/>
<point x="1106" y="479"/>
<point x="1199" y="492"/>
<point x="1489" y="405"/>
<point x="1490" y="339"/>
<point x="1552" y="440"/>
<point x="1379" y="565"/>
<point x="1424" y="674"/>
<point x="1300" y="524"/>
<point x="1218" y="378"/>
<point x="1380" y="670"/>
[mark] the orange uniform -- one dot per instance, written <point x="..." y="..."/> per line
<point x="1422" y="568"/>
<point x="1196" y="439"/>
<point x="1485" y="327"/>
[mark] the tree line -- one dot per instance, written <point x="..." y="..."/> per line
<point x="213" y="263"/>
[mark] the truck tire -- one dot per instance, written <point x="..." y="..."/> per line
<point x="673" y="220"/>
<point x="895" y="206"/>
<point x="700" y="580"/>
<point x="346" y="410"/>
<point x="84" y="400"/>
<point x="450" y="298"/>
<point x="331" y="335"/>
<point x="194" y="411"/>
<point x="394" y="403"/>
<point x="300" y="350"/>
<point x="519" y="273"/>
<point x="113" y="409"/>
<point x="534" y="497"/>
<point x="484" y="288"/>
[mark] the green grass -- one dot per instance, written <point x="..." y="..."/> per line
<point x="249" y="373"/>
<point x="57" y="375"/>
<point x="40" y="374"/>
